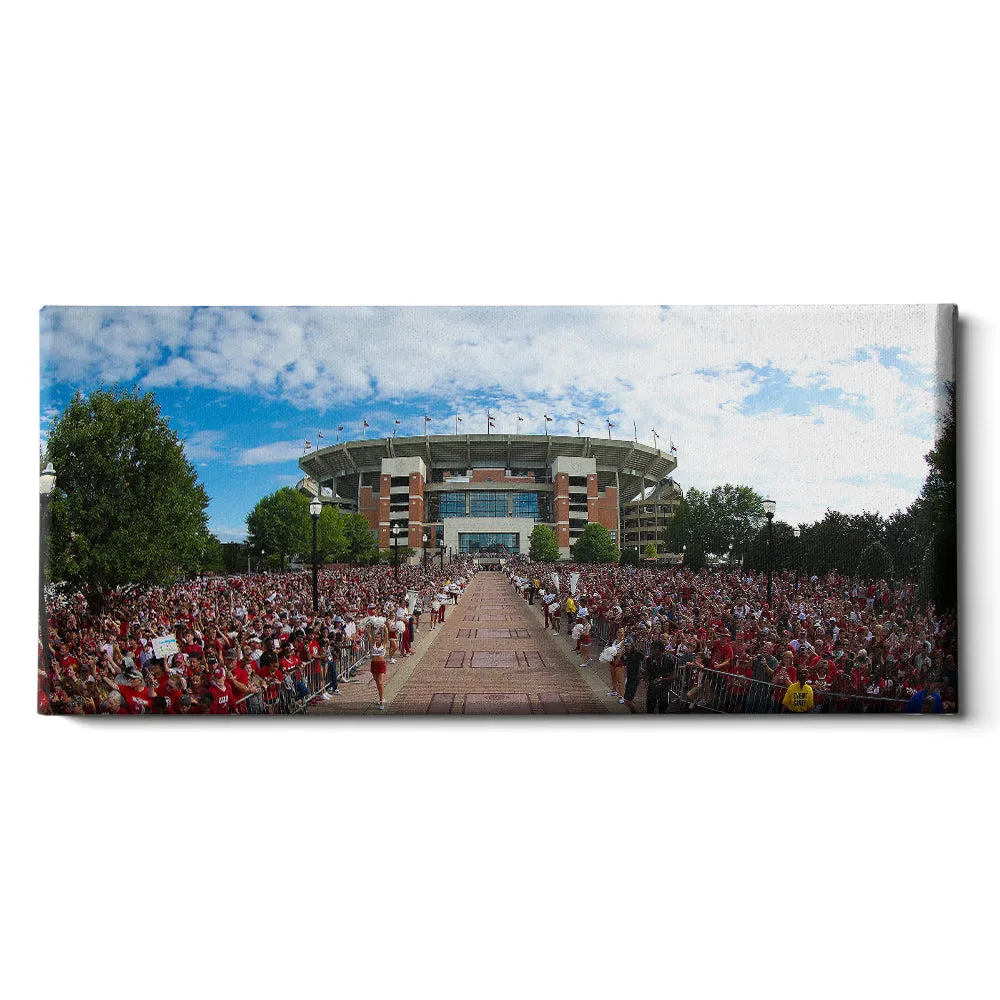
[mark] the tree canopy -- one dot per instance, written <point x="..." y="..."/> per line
<point x="279" y="524"/>
<point x="543" y="544"/>
<point x="725" y="519"/>
<point x="595" y="545"/>
<point x="127" y="507"/>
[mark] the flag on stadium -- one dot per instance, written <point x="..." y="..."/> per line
<point x="547" y="417"/>
<point x="673" y="448"/>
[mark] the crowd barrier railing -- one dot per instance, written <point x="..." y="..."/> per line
<point x="726" y="693"/>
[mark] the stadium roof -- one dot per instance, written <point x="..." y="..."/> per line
<point x="637" y="465"/>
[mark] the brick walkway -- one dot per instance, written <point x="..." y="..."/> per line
<point x="492" y="656"/>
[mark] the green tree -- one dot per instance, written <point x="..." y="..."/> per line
<point x="128" y="507"/>
<point x="234" y="556"/>
<point x="543" y="544"/>
<point x="875" y="563"/>
<point x="209" y="556"/>
<point x="331" y="536"/>
<point x="725" y="519"/>
<point x="362" y="548"/>
<point x="280" y="524"/>
<point x="939" y="573"/>
<point x="688" y="528"/>
<point x="649" y="552"/>
<point x="595" y="546"/>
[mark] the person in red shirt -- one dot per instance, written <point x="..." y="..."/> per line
<point x="137" y="699"/>
<point x="221" y="692"/>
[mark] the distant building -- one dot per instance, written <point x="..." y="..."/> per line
<point x="477" y="492"/>
<point x="644" y="517"/>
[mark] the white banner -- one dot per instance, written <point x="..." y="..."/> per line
<point x="164" y="645"/>
<point x="555" y="581"/>
<point x="411" y="598"/>
<point x="574" y="579"/>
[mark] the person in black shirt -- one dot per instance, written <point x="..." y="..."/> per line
<point x="659" y="668"/>
<point x="632" y="659"/>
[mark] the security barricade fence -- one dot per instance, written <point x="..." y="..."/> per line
<point x="697" y="686"/>
<point x="302" y="686"/>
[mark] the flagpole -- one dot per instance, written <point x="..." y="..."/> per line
<point x="635" y="432"/>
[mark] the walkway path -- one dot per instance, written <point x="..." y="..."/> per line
<point x="492" y="656"/>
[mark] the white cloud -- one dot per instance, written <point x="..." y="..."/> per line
<point x="202" y="445"/>
<point x="271" y="454"/>
<point x="632" y="364"/>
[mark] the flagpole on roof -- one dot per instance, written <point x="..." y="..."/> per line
<point x="635" y="432"/>
<point x="340" y="427"/>
<point x="655" y="438"/>
<point x="548" y="420"/>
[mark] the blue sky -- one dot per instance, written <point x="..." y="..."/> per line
<point x="823" y="407"/>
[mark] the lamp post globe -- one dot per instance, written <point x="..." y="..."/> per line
<point x="315" y="509"/>
<point x="46" y="484"/>
<point x="769" y="506"/>
<point x="797" y="532"/>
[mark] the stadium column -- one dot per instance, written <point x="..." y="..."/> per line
<point x="385" y="484"/>
<point x="560" y="509"/>
<point x="416" y="511"/>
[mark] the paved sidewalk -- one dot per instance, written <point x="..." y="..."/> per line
<point x="494" y="657"/>
<point x="360" y="697"/>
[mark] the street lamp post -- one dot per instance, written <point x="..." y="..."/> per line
<point x="46" y="484"/>
<point x="769" y="506"/>
<point x="797" y="532"/>
<point x="315" y="509"/>
<point x="425" y="551"/>
<point x="395" y="551"/>
<point x="441" y="552"/>
<point x="261" y="564"/>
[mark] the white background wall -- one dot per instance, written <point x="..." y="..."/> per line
<point x="529" y="153"/>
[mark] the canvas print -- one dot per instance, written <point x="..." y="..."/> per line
<point x="552" y="511"/>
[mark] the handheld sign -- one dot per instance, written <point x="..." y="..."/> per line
<point x="164" y="646"/>
<point x="574" y="579"/>
<point x="555" y="580"/>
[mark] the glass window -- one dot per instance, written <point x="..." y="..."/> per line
<point x="486" y="503"/>
<point x="489" y="541"/>
<point x="526" y="505"/>
<point x="451" y="505"/>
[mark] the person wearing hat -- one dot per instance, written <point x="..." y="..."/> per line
<point x="136" y="697"/>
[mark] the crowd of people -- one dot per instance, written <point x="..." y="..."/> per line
<point x="711" y="640"/>
<point x="244" y="644"/>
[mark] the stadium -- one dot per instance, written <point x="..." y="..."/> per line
<point x="484" y="493"/>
